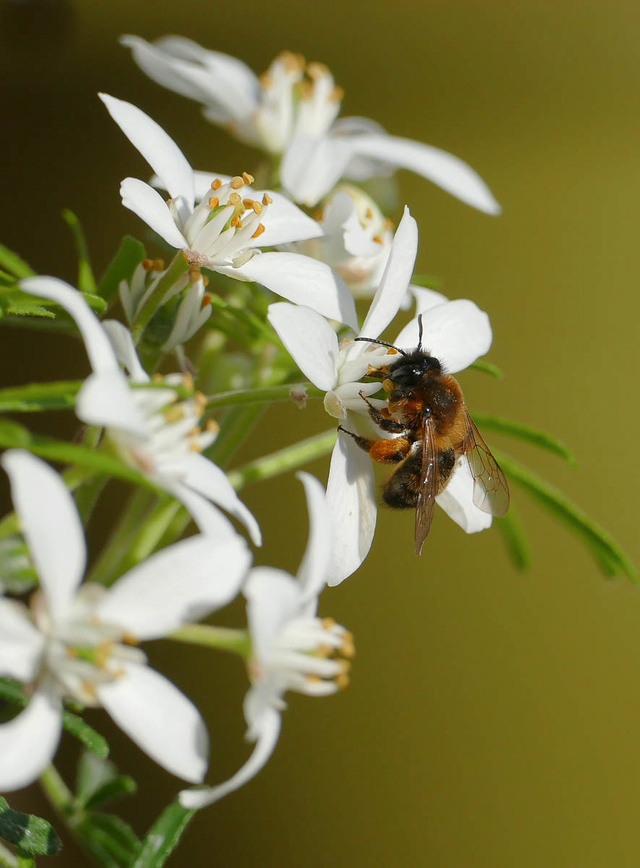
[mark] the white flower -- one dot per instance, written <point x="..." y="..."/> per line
<point x="293" y="649"/>
<point x="455" y="332"/>
<point x="80" y="642"/>
<point x="356" y="239"/>
<point x="154" y="432"/>
<point x="226" y="230"/>
<point x="292" y="110"/>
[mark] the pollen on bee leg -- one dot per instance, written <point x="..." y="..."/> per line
<point x="388" y="385"/>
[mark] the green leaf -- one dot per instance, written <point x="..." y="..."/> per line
<point x="130" y="254"/>
<point x="109" y="839"/>
<point x="86" y="734"/>
<point x="13" y="692"/>
<point x="37" y="397"/>
<point x="612" y="559"/>
<point x="524" y="432"/>
<point x="487" y="368"/>
<point x="515" y="538"/>
<point x="13" y="435"/>
<point x="16" y="569"/>
<point x="98" y="782"/>
<point x="12" y="263"/>
<point x="163" y="836"/>
<point x="31" y="835"/>
<point x="86" y="280"/>
<point x="428" y="281"/>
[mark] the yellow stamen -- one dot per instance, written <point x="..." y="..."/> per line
<point x="258" y="231"/>
<point x="266" y="199"/>
<point x="248" y="179"/>
<point x="236" y="183"/>
<point x="235" y="200"/>
<point x="214" y="202"/>
<point x="215" y="185"/>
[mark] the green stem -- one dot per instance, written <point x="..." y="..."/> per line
<point x="268" y="394"/>
<point x="289" y="458"/>
<point x="223" y="638"/>
<point x="236" y="426"/>
<point x="57" y="791"/>
<point x="176" y="270"/>
<point x="110" y="563"/>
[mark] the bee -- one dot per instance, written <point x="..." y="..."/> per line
<point x="433" y="429"/>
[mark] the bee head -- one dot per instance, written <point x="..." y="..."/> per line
<point x="413" y="367"/>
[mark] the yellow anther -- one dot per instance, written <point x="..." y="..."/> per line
<point x="328" y="623"/>
<point x="130" y="639"/>
<point x="368" y="213"/>
<point x="258" y="231"/>
<point x="337" y="94"/>
<point x="212" y="426"/>
<point x="377" y="239"/>
<point x="194" y="446"/>
<point x="187" y="381"/>
<point x="200" y="398"/>
<point x="147" y="264"/>
<point x="324" y="651"/>
<point x="388" y="223"/>
<point x="157" y="378"/>
<point x="236" y="183"/>
<point x="265" y="79"/>
<point x="215" y="185"/>
<point x="348" y="649"/>
<point x="158" y="264"/>
<point x="195" y="432"/>
<point x="342" y="681"/>
<point x="235" y="200"/>
<point x="247" y="178"/>
<point x="214" y="202"/>
<point x="266" y="199"/>
<point x="205" y="281"/>
<point x="291" y="60"/>
<point x="317" y="70"/>
<point x="194" y="274"/>
<point x="72" y="652"/>
<point x="90" y="690"/>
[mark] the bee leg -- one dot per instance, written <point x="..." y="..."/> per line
<point x="382" y="421"/>
<point x="384" y="451"/>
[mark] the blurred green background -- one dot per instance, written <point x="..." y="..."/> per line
<point x="493" y="717"/>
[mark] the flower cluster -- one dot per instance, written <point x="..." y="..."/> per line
<point x="344" y="276"/>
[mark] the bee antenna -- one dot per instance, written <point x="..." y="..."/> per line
<point x="420" y="332"/>
<point x="383" y="344"/>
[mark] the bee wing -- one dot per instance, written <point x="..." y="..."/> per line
<point x="490" y="489"/>
<point x="428" y="486"/>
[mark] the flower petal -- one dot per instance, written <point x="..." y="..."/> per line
<point x="159" y="150"/>
<point x="183" y="582"/>
<point x="456" y="332"/>
<point x="312" y="166"/>
<point x="268" y="732"/>
<point x="445" y="170"/>
<point x="302" y="280"/>
<point x="97" y="344"/>
<point x="204" y="477"/>
<point x="395" y="280"/>
<point x="351" y="497"/>
<point x="220" y="82"/>
<point x="106" y="400"/>
<point x="313" y="571"/>
<point x="162" y="721"/>
<point x="21" y="644"/>
<point x="151" y="208"/>
<point x="125" y="350"/>
<point x="457" y="500"/>
<point x="285" y="222"/>
<point x="209" y="519"/>
<point x="50" y="524"/>
<point x="29" y="741"/>
<point x="310" y="341"/>
<point x="273" y="598"/>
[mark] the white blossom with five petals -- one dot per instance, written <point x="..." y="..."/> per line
<point x="292" y="110"/>
<point x="80" y="642"/>
<point x="455" y="332"/>
<point x="292" y="649"/>
<point x="226" y="230"/>
<point x="153" y="431"/>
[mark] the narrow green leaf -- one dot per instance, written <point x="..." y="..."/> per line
<point x="130" y="254"/>
<point x="12" y="263"/>
<point x="16" y="569"/>
<point x="488" y="368"/>
<point x="36" y="397"/>
<point x="163" y="837"/>
<point x="86" y="734"/>
<point x="13" y="435"/>
<point x="612" y="559"/>
<point x="26" y="862"/>
<point x="524" y="432"/>
<point x="30" y="835"/>
<point x="116" y="788"/>
<point x="86" y="280"/>
<point x="428" y="281"/>
<point x="514" y="535"/>
<point x="109" y="839"/>
<point x="12" y="691"/>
